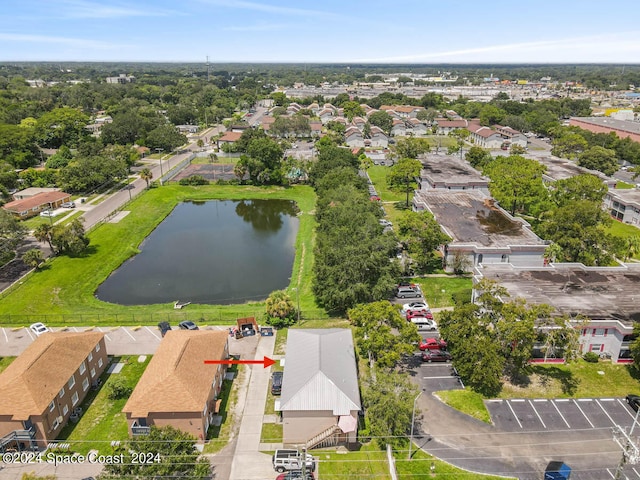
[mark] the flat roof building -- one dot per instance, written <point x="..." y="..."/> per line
<point x="622" y="128"/>
<point x="624" y="205"/>
<point x="608" y="296"/>
<point x="449" y="173"/>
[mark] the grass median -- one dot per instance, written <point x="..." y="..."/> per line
<point x="63" y="291"/>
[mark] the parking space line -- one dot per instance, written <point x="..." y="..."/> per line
<point x="6" y="337"/>
<point x="561" y="400"/>
<point x="105" y="335"/>
<point x="583" y="414"/>
<point x="29" y="333"/>
<point x="129" y="333"/>
<point x="537" y="414"/>
<point x="607" y="399"/>
<point x="560" y="413"/>
<point x="514" y="413"/>
<point x="152" y="333"/>
<point x="605" y="412"/>
<point x="517" y="400"/>
<point x="445" y="376"/>
<point x="494" y="400"/>
<point x="74" y="329"/>
<point x="635" y="471"/>
<point x="624" y="405"/>
<point x="609" y="472"/>
<point x="539" y="399"/>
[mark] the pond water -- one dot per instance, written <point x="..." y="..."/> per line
<point x="213" y="252"/>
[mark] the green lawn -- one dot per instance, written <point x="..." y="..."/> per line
<point x="622" y="229"/>
<point x="378" y="176"/>
<point x="63" y="293"/>
<point x="422" y="465"/>
<point x="466" y="401"/>
<point x="624" y="186"/>
<point x="218" y="436"/>
<point x="367" y="463"/>
<point x="438" y="290"/>
<point x="103" y="420"/>
<point x="5" y="362"/>
<point x="271" y="433"/>
<point x="576" y="380"/>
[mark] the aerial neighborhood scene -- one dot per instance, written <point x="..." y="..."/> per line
<point x="249" y="240"/>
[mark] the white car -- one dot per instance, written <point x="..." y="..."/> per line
<point x="38" y="329"/>
<point x="415" y="306"/>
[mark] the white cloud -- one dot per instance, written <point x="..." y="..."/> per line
<point x="80" y="43"/>
<point x="84" y="9"/>
<point x="597" y="48"/>
<point x="263" y="7"/>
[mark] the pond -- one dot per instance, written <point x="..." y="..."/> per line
<point x="213" y="252"/>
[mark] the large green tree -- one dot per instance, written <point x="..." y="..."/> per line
<point x="412" y="147"/>
<point x="382" y="335"/>
<point x="601" y="159"/>
<point x="402" y="176"/>
<point x="18" y="146"/>
<point x="516" y="183"/>
<point x="12" y="232"/>
<point x="62" y="126"/>
<point x="422" y="235"/>
<point x="173" y="453"/>
<point x="381" y="119"/>
<point x="165" y="137"/>
<point x="581" y="187"/>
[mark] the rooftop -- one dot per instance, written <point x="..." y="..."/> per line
<point x="471" y="217"/>
<point x="626" y="196"/>
<point x="623" y="125"/>
<point x="561" y="169"/>
<point x="30" y="382"/>
<point x="177" y="379"/>
<point x="321" y="372"/>
<point x="36" y="201"/>
<point x="450" y="170"/>
<point x="601" y="293"/>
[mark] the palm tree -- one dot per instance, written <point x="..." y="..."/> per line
<point x="146" y="175"/>
<point x="44" y="233"/>
<point x="633" y="246"/>
<point x="279" y="304"/>
<point x="33" y="257"/>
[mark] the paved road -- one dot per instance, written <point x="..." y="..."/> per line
<point x="511" y="450"/>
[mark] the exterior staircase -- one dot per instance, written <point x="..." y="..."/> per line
<point x="326" y="438"/>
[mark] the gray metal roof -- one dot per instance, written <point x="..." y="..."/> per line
<point x="320" y="372"/>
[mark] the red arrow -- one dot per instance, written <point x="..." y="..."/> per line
<point x="266" y="361"/>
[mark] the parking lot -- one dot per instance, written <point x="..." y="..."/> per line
<point x="559" y="414"/>
<point x="119" y="340"/>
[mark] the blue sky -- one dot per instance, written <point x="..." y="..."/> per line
<point x="390" y="31"/>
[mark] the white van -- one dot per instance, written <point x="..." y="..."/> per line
<point x="424" y="324"/>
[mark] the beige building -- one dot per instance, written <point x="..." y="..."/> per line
<point x="45" y="385"/>
<point x="320" y="397"/>
<point x="177" y="387"/>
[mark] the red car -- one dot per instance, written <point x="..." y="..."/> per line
<point x="436" y="356"/>
<point x="423" y="313"/>
<point x="374" y="198"/>
<point x="432" y="344"/>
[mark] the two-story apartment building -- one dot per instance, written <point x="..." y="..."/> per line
<point x="177" y="387"/>
<point x="624" y="205"/>
<point x="43" y="387"/>
<point x="447" y="172"/>
<point x="606" y="296"/>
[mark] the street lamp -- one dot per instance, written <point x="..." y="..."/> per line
<point x="413" y="419"/>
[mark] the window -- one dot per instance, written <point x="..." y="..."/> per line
<point x="93" y="372"/>
<point x="61" y="394"/>
<point x="599" y="332"/>
<point x="65" y="409"/>
<point x="99" y="363"/>
<point x="83" y="368"/>
<point x="52" y="406"/>
<point x="97" y="348"/>
<point x="74" y="399"/>
<point x="596" y="347"/>
<point x="90" y="357"/>
<point x="72" y="381"/>
<point x="56" y="424"/>
<point x="85" y="384"/>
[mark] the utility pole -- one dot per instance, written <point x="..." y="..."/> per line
<point x="629" y="445"/>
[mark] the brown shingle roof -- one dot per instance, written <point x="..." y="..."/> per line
<point x="30" y="383"/>
<point x="177" y="379"/>
<point x="35" y="201"/>
<point x="452" y="123"/>
<point x="230" y="137"/>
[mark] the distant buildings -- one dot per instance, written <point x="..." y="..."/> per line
<point x="622" y="128"/>
<point x="122" y="79"/>
<point x="624" y="205"/>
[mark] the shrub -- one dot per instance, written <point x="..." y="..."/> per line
<point x="194" y="180"/>
<point x="461" y="298"/>
<point x="591" y="357"/>
<point x="118" y="389"/>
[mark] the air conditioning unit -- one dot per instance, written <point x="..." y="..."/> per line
<point x="60" y="419"/>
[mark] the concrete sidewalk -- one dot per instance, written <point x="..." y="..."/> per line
<point x="248" y="462"/>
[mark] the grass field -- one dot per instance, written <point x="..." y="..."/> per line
<point x="422" y="465"/>
<point x="367" y="463"/>
<point x="66" y="286"/>
<point x="378" y="176"/>
<point x="438" y="290"/>
<point x="5" y="362"/>
<point x="624" y="186"/>
<point x="623" y="229"/>
<point x="576" y="380"/>
<point x="103" y="420"/>
<point x="271" y="433"/>
<point x="466" y="401"/>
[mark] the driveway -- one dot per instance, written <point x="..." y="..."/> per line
<point x="526" y="435"/>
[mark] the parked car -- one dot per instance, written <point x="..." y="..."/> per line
<point x="435" y="356"/>
<point x="408" y="292"/>
<point x="424" y="324"/>
<point x="38" y="328"/>
<point x="284" y="460"/>
<point x="276" y="383"/>
<point x="188" y="325"/>
<point x="164" y="328"/>
<point x="68" y="205"/>
<point x="374" y="198"/>
<point x="407" y="284"/>
<point x="633" y="401"/>
<point x="411" y="314"/>
<point x="415" y="306"/>
<point x="385" y="223"/>
<point x="432" y="344"/>
<point x="47" y="213"/>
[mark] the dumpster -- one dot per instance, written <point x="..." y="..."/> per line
<point x="557" y="471"/>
